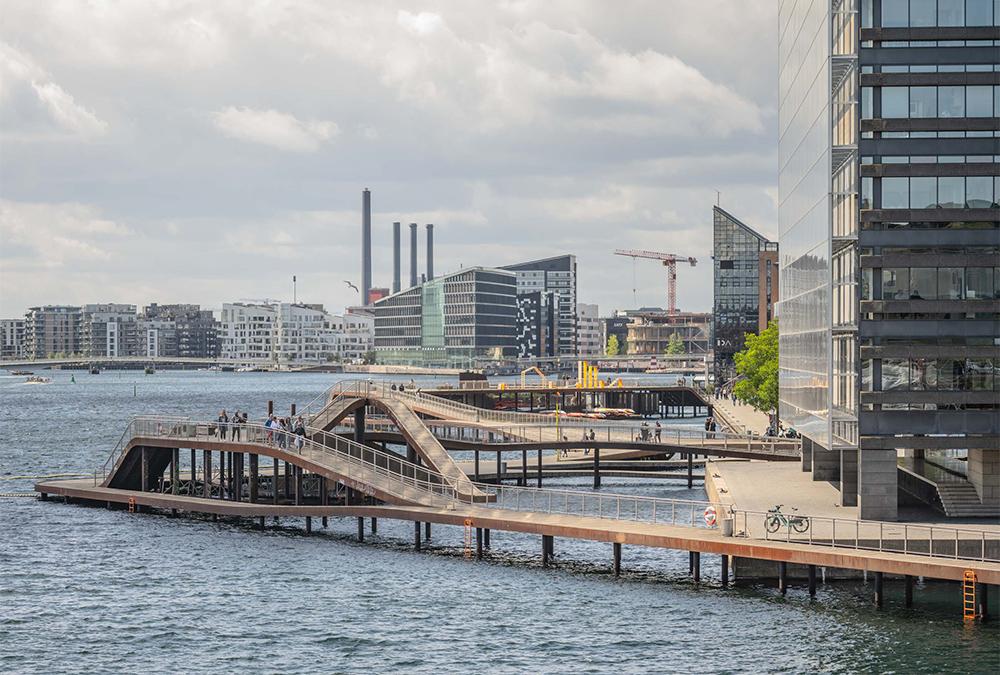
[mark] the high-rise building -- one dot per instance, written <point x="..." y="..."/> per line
<point x="741" y="258"/>
<point x="553" y="275"/>
<point x="11" y="338"/>
<point x="588" y="332"/>
<point x="51" y="330"/>
<point x="537" y="324"/>
<point x="453" y="320"/>
<point x="889" y="232"/>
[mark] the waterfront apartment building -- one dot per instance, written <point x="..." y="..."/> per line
<point x="51" y="330"/>
<point x="279" y="334"/>
<point x="179" y="330"/>
<point x="247" y="333"/>
<point x="109" y="329"/>
<point x="588" y="333"/>
<point x="11" y="338"/>
<point x="452" y="320"/>
<point x="556" y="275"/>
<point x="356" y="329"/>
<point x="745" y="276"/>
<point x="890" y="234"/>
<point x="536" y="325"/>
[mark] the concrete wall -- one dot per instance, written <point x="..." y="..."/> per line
<point x="984" y="474"/>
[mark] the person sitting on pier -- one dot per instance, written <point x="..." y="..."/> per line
<point x="223" y="423"/>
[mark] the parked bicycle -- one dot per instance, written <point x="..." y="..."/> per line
<point x="774" y="520"/>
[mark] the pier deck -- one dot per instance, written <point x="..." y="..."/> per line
<point x="700" y="540"/>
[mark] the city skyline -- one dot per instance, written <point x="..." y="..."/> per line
<point x="200" y="188"/>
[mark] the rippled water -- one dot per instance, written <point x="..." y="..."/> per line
<point x="89" y="590"/>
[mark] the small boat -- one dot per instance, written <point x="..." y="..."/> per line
<point x="37" y="379"/>
<point x="149" y="370"/>
<point x="21" y="372"/>
<point x="94" y="370"/>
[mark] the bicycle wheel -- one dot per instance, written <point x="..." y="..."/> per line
<point x="800" y="524"/>
<point x="772" y="523"/>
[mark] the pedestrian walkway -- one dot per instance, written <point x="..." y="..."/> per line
<point x="742" y="418"/>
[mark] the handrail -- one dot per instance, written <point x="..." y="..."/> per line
<point x="668" y="435"/>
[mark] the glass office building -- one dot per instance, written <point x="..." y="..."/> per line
<point x="454" y="320"/>
<point x="888" y="225"/>
<point x="736" y="271"/>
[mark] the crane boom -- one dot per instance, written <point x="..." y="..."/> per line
<point x="669" y="261"/>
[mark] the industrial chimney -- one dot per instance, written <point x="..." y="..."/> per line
<point x="366" y="245"/>
<point x="395" y="257"/>
<point x="413" y="255"/>
<point x="430" y="251"/>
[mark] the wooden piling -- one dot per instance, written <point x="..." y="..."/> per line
<point x="697" y="567"/>
<point x="479" y="543"/>
<point x="725" y="570"/>
<point x="812" y="581"/>
<point x="546" y="549"/>
<point x="427" y="530"/>
<point x="361" y="529"/>
<point x="416" y="535"/>
<point x="374" y="525"/>
<point x="879" y="590"/>
<point x="618" y="558"/>
<point x="309" y="524"/>
<point x="783" y="577"/>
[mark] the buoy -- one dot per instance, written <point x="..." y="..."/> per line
<point x="710" y="516"/>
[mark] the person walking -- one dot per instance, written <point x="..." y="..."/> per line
<point x="269" y="430"/>
<point x="234" y="427"/>
<point x="300" y="433"/>
<point x="658" y="432"/>
<point x="223" y="423"/>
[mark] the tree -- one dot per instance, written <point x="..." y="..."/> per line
<point x="757" y="362"/>
<point x="612" y="349"/>
<point x="675" y="345"/>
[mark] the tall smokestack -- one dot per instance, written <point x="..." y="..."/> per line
<point x="366" y="245"/>
<point x="430" y="251"/>
<point x="395" y="257"/>
<point x="413" y="255"/>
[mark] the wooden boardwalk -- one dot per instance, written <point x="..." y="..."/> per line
<point x="623" y="532"/>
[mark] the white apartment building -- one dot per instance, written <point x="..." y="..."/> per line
<point x="357" y="335"/>
<point x="247" y="333"/>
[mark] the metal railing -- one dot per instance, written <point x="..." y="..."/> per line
<point x="367" y="388"/>
<point x="938" y="541"/>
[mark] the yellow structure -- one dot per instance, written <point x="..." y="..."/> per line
<point x="587" y="376"/>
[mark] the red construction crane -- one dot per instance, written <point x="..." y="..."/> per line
<point x="669" y="261"/>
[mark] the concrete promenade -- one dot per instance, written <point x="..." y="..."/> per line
<point x="741" y="418"/>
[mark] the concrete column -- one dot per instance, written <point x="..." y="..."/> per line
<point x="812" y="581"/>
<point x="984" y="474"/>
<point x="618" y="558"/>
<point x="374" y="525"/>
<point x="807" y="459"/>
<point x="309" y="524"/>
<point x="849" y="477"/>
<point x="879" y="590"/>
<point x="486" y="537"/>
<point x="877" y="487"/>
<point x="479" y="543"/>
<point x="697" y="567"/>
<point x="427" y="531"/>
<point x="361" y="529"/>
<point x="416" y="535"/>
<point x="825" y="463"/>
<point x="725" y="570"/>
<point x="546" y="549"/>
<point x="783" y="577"/>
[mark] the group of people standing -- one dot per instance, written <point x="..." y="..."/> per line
<point x="231" y="424"/>
<point x="278" y="429"/>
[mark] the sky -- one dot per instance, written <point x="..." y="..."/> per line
<point x="207" y="152"/>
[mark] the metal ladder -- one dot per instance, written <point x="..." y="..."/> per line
<point x="969" y="595"/>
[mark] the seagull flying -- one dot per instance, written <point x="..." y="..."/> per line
<point x="352" y="286"/>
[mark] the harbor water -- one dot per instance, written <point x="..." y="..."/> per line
<point x="91" y="590"/>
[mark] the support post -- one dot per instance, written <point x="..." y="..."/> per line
<point x="194" y="471"/>
<point x="479" y="543"/>
<point x="274" y="487"/>
<point x="298" y="485"/>
<point x="539" y="467"/>
<point x="618" y="558"/>
<point x="982" y="600"/>
<point x="206" y="470"/>
<point x="697" y="567"/>
<point x="324" y="521"/>
<point x="361" y="529"/>
<point x="546" y="546"/>
<point x="175" y="470"/>
<point x="254" y="477"/>
<point x="374" y="525"/>
<point x="812" y="581"/>
<point x="144" y="469"/>
<point x="486" y="537"/>
<point x="416" y="535"/>
<point x="690" y="460"/>
<point x="427" y="531"/>
<point x="725" y="570"/>
<point x="783" y="577"/>
<point x="309" y="524"/>
<point x="879" y="590"/>
<point x="524" y="468"/>
<point x="260" y="524"/>
<point x="597" y="468"/>
<point x="908" y="591"/>
<point x="475" y="472"/>
<point x="359" y="425"/>
<point x="498" y="467"/>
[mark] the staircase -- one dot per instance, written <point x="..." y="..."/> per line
<point x="960" y="500"/>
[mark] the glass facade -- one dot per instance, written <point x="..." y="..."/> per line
<point x="453" y="320"/>
<point x="736" y="259"/>
<point x="804" y="217"/>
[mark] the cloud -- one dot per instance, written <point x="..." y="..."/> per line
<point x="34" y="105"/>
<point x="275" y="129"/>
<point x="55" y="235"/>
